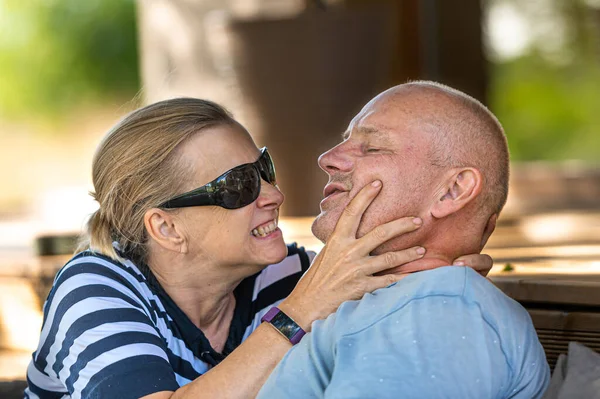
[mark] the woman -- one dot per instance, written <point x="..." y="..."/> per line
<point x="167" y="297"/>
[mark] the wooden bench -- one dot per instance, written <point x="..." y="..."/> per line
<point x="563" y="308"/>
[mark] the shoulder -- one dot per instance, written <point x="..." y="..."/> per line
<point x="449" y="307"/>
<point x="94" y="306"/>
<point x="93" y="278"/>
<point x="422" y="294"/>
<point x="89" y="268"/>
<point x="416" y="290"/>
<point x="95" y="265"/>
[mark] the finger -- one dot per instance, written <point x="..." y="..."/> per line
<point x="480" y="262"/>
<point x="386" y="232"/>
<point x="392" y="259"/>
<point x="348" y="223"/>
<point x="378" y="282"/>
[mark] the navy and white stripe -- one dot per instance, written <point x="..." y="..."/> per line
<point x="110" y="330"/>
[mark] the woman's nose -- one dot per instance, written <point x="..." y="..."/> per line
<point x="336" y="160"/>
<point x="270" y="196"/>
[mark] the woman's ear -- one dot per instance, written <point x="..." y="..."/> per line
<point x="460" y="188"/>
<point x="165" y="230"/>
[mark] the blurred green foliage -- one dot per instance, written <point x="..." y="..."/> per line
<point x="548" y="98"/>
<point x="56" y="54"/>
<point x="509" y="267"/>
<point x="548" y="112"/>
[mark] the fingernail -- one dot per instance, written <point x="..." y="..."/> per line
<point x="417" y="221"/>
<point x="421" y="251"/>
<point x="459" y="263"/>
<point x="376" y="183"/>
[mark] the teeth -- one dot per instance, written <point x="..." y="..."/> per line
<point x="264" y="231"/>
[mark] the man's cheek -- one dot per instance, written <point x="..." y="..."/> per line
<point x="384" y="208"/>
<point x="370" y="219"/>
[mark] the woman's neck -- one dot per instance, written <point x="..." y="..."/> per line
<point x="204" y="294"/>
<point x="205" y="304"/>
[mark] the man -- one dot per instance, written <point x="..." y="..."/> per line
<point x="440" y="333"/>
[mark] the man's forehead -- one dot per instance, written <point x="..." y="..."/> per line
<point x="381" y="120"/>
<point x="369" y="130"/>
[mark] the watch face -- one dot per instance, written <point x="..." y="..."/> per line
<point x="285" y="325"/>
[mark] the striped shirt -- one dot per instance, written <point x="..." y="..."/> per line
<point x="110" y="330"/>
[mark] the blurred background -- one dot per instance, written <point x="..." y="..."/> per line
<point x="295" y="72"/>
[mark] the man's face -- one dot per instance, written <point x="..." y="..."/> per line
<point x="383" y="142"/>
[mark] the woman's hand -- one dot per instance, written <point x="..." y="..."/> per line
<point x="480" y="262"/>
<point x="344" y="270"/>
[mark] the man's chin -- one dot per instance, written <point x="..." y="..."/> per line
<point x="321" y="228"/>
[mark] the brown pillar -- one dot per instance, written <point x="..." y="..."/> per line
<point x="460" y="59"/>
<point x="439" y="40"/>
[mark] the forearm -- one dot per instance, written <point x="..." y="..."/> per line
<point x="244" y="371"/>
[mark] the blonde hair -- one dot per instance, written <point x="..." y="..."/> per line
<point x="135" y="169"/>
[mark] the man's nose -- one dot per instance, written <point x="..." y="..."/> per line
<point x="336" y="160"/>
<point x="270" y="197"/>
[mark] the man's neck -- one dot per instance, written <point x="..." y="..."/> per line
<point x="428" y="262"/>
<point x="443" y="243"/>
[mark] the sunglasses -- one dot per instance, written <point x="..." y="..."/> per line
<point x="236" y="188"/>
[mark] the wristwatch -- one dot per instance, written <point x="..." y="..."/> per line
<point x="284" y="324"/>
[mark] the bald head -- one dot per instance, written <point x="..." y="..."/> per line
<point x="440" y="154"/>
<point x="464" y="133"/>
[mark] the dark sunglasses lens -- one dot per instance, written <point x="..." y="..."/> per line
<point x="267" y="168"/>
<point x="240" y="187"/>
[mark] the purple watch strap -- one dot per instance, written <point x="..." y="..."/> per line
<point x="297" y="337"/>
<point x="270" y="314"/>
<point x="284" y="324"/>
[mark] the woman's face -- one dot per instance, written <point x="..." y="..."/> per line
<point x="230" y="236"/>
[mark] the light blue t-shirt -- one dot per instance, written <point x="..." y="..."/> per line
<point x="443" y="333"/>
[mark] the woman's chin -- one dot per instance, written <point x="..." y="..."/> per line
<point x="270" y="249"/>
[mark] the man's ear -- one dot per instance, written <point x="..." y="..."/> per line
<point x="165" y="230"/>
<point x="460" y="188"/>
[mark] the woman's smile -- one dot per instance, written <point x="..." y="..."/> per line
<point x="265" y="229"/>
